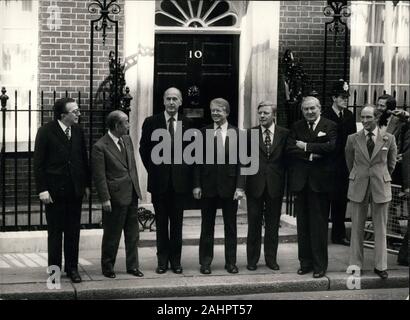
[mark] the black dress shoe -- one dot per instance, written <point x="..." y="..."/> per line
<point x="135" y="272"/>
<point x="273" y="266"/>
<point x="109" y="274"/>
<point x="74" y="276"/>
<point x="160" y="270"/>
<point x="302" y="271"/>
<point x="382" y="274"/>
<point x="205" y="270"/>
<point x="251" y="267"/>
<point x="319" y="274"/>
<point x="343" y="242"/>
<point x="177" y="270"/>
<point x="231" y="268"/>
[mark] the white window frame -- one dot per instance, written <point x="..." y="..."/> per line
<point x="387" y="52"/>
<point x="22" y="88"/>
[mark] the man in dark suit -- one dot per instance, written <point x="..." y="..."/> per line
<point x="346" y="125"/>
<point x="116" y="180"/>
<point x="169" y="184"/>
<point x="219" y="184"/>
<point x="311" y="143"/>
<point x="62" y="178"/>
<point x="264" y="190"/>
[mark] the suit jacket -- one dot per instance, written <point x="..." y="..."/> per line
<point x="159" y="175"/>
<point x="374" y="172"/>
<point x="316" y="173"/>
<point x="219" y="179"/>
<point x="271" y="173"/>
<point x="406" y="156"/>
<point x="58" y="160"/>
<point x="395" y="127"/>
<point x="345" y="127"/>
<point x="115" y="179"/>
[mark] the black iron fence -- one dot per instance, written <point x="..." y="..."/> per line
<point x="20" y="206"/>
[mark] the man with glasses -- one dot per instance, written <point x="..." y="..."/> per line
<point x="62" y="178"/>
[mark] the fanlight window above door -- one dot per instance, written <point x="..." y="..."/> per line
<point x="196" y="13"/>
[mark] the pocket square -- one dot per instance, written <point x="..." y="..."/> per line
<point x="385" y="149"/>
<point x="321" y="134"/>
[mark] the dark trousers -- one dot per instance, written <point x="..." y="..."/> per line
<point x="120" y="218"/>
<point x="169" y="213"/>
<point x="271" y="214"/>
<point x="206" y="242"/>
<point x="64" y="218"/>
<point x="312" y="210"/>
<point x="338" y="205"/>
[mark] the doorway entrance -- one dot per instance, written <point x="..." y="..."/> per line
<point x="203" y="67"/>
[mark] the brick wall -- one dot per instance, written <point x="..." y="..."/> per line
<point x="64" y="59"/>
<point x="302" y="29"/>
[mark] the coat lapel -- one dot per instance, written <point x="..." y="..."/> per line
<point x="113" y="149"/>
<point x="361" y="141"/>
<point x="61" y="135"/>
<point x="378" y="145"/>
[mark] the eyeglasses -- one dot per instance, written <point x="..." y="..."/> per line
<point x="75" y="111"/>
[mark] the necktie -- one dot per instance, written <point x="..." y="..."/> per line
<point x="218" y="142"/>
<point x="67" y="133"/>
<point x="370" y="143"/>
<point x="122" y="147"/>
<point x="341" y="115"/>
<point x="171" y="127"/>
<point x="311" y="126"/>
<point x="267" y="141"/>
<point x="171" y="130"/>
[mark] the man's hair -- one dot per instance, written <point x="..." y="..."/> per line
<point x="267" y="103"/>
<point x="220" y="102"/>
<point x="390" y="101"/>
<point x="113" y="118"/>
<point x="179" y="94"/>
<point x="60" y="107"/>
<point x="310" y="98"/>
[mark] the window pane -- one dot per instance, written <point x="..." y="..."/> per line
<point x="403" y="65"/>
<point x="361" y="92"/>
<point x="360" y="20"/>
<point x="378" y="23"/>
<point x="401" y="25"/>
<point x="359" y="65"/>
<point x="400" y="92"/>
<point x="375" y="92"/>
<point x="377" y="65"/>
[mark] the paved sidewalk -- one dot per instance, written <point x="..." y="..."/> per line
<point x="20" y="281"/>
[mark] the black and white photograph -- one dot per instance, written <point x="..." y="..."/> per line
<point x="204" y="157"/>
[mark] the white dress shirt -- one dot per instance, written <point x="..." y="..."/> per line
<point x="115" y="139"/>
<point x="167" y="117"/>
<point x="271" y="134"/>
<point x="64" y="127"/>
<point x="224" y="130"/>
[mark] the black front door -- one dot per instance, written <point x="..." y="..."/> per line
<point x="203" y="67"/>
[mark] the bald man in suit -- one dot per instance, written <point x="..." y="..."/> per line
<point x="371" y="158"/>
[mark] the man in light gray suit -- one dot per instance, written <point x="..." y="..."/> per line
<point x="371" y="158"/>
<point x="116" y="180"/>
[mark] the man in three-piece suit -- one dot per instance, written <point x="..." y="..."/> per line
<point x="219" y="184"/>
<point x="116" y="180"/>
<point x="310" y="146"/>
<point x="62" y="178"/>
<point x="169" y="184"/>
<point x="346" y="125"/>
<point x="264" y="190"/>
<point x="371" y="159"/>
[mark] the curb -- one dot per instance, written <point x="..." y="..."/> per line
<point x="186" y="286"/>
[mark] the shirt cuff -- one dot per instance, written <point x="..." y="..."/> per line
<point x="43" y="193"/>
